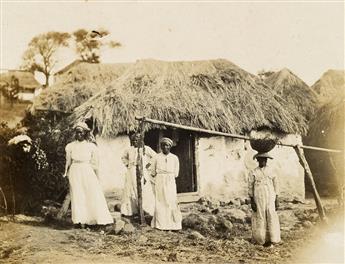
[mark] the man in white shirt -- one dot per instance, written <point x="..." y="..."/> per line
<point x="165" y="168"/>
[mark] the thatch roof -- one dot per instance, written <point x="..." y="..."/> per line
<point x="295" y="91"/>
<point x="327" y="130"/>
<point x="68" y="67"/>
<point x="78" y="84"/>
<point x="327" y="127"/>
<point x="26" y="79"/>
<point x="330" y="85"/>
<point x="213" y="94"/>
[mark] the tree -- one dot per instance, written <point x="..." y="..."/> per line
<point x="89" y="43"/>
<point x="40" y="55"/>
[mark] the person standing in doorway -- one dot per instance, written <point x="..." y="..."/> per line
<point x="165" y="168"/>
<point x="263" y="192"/>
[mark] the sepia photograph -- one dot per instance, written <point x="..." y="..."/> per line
<point x="168" y="131"/>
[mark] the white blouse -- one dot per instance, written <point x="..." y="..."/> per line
<point x="166" y="164"/>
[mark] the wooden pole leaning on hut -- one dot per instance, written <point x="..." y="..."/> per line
<point x="298" y="150"/>
<point x="307" y="171"/>
<point x="212" y="132"/>
<point x="140" y="172"/>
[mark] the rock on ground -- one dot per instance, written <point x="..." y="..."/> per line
<point x="287" y="219"/>
<point x="118" y="226"/>
<point x="195" y="235"/>
<point x="236" y="215"/>
<point x="307" y="224"/>
<point x="128" y="228"/>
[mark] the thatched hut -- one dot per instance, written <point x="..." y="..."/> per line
<point x="216" y="95"/>
<point x="327" y="130"/>
<point x="294" y="90"/>
<point x="22" y="83"/>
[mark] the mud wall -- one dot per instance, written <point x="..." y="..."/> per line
<point x="111" y="169"/>
<point x="224" y="164"/>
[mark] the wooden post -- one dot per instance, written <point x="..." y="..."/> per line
<point x="339" y="182"/>
<point x="140" y="173"/>
<point x="307" y="170"/>
<point x="4" y="199"/>
<point x="64" y="206"/>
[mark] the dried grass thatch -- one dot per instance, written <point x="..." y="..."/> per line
<point x="294" y="91"/>
<point x="26" y="79"/>
<point x="77" y="84"/>
<point x="215" y="94"/>
<point x="330" y="85"/>
<point x="327" y="130"/>
<point x="327" y="127"/>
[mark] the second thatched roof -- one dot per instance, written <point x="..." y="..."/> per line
<point x="294" y="91"/>
<point x="76" y="84"/>
<point x="214" y="94"/>
<point x="330" y="85"/>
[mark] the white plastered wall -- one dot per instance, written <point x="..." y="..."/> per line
<point x="224" y="164"/>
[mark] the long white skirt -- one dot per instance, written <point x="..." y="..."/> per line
<point x="129" y="204"/>
<point x="87" y="198"/>
<point x="167" y="215"/>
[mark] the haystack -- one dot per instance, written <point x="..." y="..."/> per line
<point x="327" y="130"/>
<point x="330" y="85"/>
<point x="214" y="94"/>
<point x="77" y="84"/>
<point x="295" y="91"/>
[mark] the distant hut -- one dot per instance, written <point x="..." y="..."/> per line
<point x="327" y="130"/>
<point x="215" y="95"/>
<point x="295" y="91"/>
<point x="20" y="85"/>
<point x="76" y="83"/>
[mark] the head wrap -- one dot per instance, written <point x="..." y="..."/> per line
<point x="167" y="141"/>
<point x="262" y="155"/>
<point x="82" y="125"/>
<point x="18" y="139"/>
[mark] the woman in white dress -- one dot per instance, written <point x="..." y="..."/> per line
<point x="165" y="169"/>
<point x="87" y="198"/>
<point x="129" y="204"/>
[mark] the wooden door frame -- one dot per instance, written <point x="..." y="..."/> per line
<point x="193" y="196"/>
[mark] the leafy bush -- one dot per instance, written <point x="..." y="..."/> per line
<point x="43" y="128"/>
<point x="36" y="176"/>
<point x="21" y="172"/>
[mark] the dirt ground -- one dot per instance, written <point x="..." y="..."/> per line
<point x="212" y="233"/>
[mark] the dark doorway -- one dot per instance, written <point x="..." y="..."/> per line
<point x="152" y="139"/>
<point x="184" y="150"/>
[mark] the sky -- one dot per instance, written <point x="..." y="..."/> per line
<point x="306" y="37"/>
